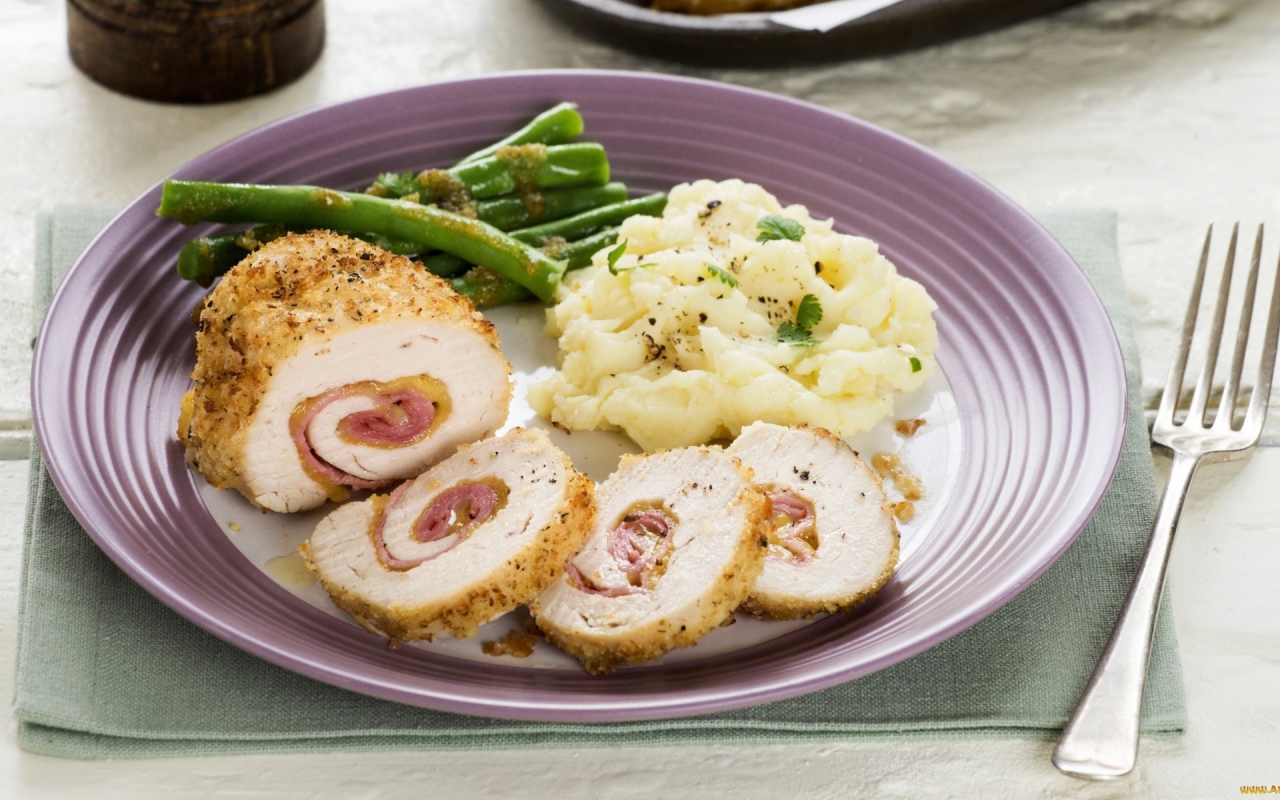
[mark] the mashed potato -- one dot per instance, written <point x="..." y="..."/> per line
<point x="697" y="329"/>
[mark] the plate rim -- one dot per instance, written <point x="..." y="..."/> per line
<point x="709" y="701"/>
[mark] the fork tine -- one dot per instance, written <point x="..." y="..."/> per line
<point x="1266" y="369"/>
<point x="1205" y="385"/>
<point x="1231" y="392"/>
<point x="1178" y="369"/>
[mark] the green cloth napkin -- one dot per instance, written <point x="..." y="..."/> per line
<point x="104" y="670"/>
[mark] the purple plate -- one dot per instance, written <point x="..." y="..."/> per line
<point x="1026" y="346"/>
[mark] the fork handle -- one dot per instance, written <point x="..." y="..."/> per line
<point x="1100" y="740"/>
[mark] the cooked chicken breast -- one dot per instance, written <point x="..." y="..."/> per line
<point x="832" y="541"/>
<point x="325" y="363"/>
<point x="678" y="540"/>
<point x="477" y="535"/>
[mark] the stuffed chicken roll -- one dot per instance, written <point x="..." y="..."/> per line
<point x="472" y="538"/>
<point x="832" y="538"/>
<point x="677" y="542"/>
<point x="324" y="364"/>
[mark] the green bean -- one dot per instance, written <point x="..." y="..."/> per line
<point x="523" y="170"/>
<point x="482" y="174"/>
<point x="400" y="247"/>
<point x="512" y="213"/>
<point x="580" y="225"/>
<point x="316" y="207"/>
<point x="559" y="124"/>
<point x="576" y="254"/>
<point x="486" y="289"/>
<point x="565" y="239"/>
<point x="444" y="265"/>
<point x="207" y="257"/>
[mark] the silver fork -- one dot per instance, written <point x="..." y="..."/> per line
<point x="1100" y="740"/>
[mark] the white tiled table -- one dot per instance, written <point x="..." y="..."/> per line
<point x="1166" y="110"/>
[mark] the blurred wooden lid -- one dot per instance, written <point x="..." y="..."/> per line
<point x="194" y="51"/>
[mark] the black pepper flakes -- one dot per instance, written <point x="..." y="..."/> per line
<point x="655" y="351"/>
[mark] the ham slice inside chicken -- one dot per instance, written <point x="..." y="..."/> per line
<point x="794" y="538"/>
<point x="832" y="539"/>
<point x="638" y="545"/>
<point x="398" y="416"/>
<point x="455" y="512"/>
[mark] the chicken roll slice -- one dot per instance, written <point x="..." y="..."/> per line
<point x="678" y="540"/>
<point x="832" y="538"/>
<point x="324" y="363"/>
<point x="479" y="534"/>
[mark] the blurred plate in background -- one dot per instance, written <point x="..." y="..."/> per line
<point x="753" y="40"/>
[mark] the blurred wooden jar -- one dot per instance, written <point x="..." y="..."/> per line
<point x="194" y="51"/>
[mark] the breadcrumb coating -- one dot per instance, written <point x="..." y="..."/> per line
<point x="287" y="293"/>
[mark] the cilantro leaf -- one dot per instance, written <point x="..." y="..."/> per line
<point x="717" y="272"/>
<point x="808" y="313"/>
<point x="916" y="366"/>
<point x="614" y="255"/>
<point x="772" y="226"/>
<point x="790" y="333"/>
